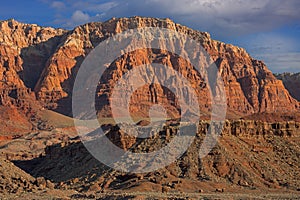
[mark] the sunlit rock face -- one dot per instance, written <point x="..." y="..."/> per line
<point x="46" y="60"/>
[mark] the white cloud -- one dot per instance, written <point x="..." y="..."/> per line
<point x="58" y="5"/>
<point x="226" y="20"/>
<point x="94" y="7"/>
<point x="77" y="18"/>
<point x="222" y="18"/>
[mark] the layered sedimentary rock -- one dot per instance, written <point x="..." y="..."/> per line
<point x="250" y="86"/>
<point x="46" y="60"/>
<point x="249" y="154"/>
<point x="24" y="50"/>
<point x="291" y="82"/>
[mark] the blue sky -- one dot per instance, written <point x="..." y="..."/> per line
<point x="268" y="29"/>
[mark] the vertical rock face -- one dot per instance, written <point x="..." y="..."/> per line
<point x="291" y="82"/>
<point x="47" y="60"/>
<point x="251" y="87"/>
<point x="24" y="50"/>
<point x="145" y="97"/>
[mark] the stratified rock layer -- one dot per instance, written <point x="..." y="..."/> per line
<point x="46" y="60"/>
<point x="249" y="154"/>
<point x="291" y="82"/>
<point x="250" y="86"/>
<point x="24" y="51"/>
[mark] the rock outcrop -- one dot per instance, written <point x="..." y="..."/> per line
<point x="242" y="158"/>
<point x="291" y="82"/>
<point x="24" y="50"/>
<point x="250" y="86"/>
<point x="38" y="67"/>
<point x="13" y="180"/>
<point x="46" y="60"/>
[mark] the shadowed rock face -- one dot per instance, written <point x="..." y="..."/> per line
<point x="47" y="60"/>
<point x="14" y="180"/>
<point x="292" y="83"/>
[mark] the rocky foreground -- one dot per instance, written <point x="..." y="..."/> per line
<point x="250" y="158"/>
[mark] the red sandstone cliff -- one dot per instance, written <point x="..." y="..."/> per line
<point x="292" y="83"/>
<point x="47" y="60"/>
